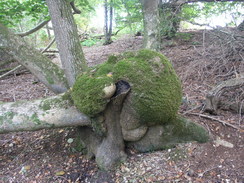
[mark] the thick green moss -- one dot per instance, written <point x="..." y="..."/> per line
<point x="88" y="93"/>
<point x="155" y="87"/>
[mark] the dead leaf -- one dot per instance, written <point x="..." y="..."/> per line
<point x="60" y="173"/>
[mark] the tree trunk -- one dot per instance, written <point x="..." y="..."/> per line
<point x="151" y="24"/>
<point x="108" y="20"/>
<point x="52" y="112"/>
<point x="67" y="39"/>
<point x="40" y="66"/>
<point x="169" y="19"/>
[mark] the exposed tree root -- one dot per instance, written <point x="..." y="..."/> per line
<point x="213" y="101"/>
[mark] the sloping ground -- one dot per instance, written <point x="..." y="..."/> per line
<point x="202" y="60"/>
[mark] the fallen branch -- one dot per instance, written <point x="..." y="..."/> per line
<point x="9" y="72"/>
<point x="48" y="46"/>
<point x="215" y="119"/>
<point x="39" y="26"/>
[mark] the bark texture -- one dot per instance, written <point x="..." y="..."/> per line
<point x="108" y="22"/>
<point x="67" y="39"/>
<point x="39" y="65"/>
<point x="151" y="24"/>
<point x="213" y="102"/>
<point x="53" y="112"/>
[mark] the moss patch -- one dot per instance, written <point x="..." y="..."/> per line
<point x="187" y="130"/>
<point x="50" y="103"/>
<point x="6" y="117"/>
<point x="155" y="87"/>
<point x="88" y="95"/>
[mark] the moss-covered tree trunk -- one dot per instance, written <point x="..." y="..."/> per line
<point x="67" y="39"/>
<point x="39" y="65"/>
<point x="151" y="21"/>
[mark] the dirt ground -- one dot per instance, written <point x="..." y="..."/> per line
<point x="202" y="60"/>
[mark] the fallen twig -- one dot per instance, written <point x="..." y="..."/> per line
<point x="215" y="119"/>
<point x="48" y="46"/>
<point x="9" y="72"/>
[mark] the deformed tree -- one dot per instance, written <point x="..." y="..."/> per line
<point x="130" y="100"/>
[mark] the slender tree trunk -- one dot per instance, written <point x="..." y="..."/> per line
<point x="67" y="39"/>
<point x="39" y="65"/>
<point x="108" y="20"/>
<point x="105" y="19"/>
<point x="151" y="24"/>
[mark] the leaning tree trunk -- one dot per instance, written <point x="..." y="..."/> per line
<point x="39" y="65"/>
<point x="67" y="39"/>
<point x="151" y="24"/>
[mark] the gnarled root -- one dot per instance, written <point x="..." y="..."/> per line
<point x="213" y="101"/>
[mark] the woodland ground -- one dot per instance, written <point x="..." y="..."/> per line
<point x="202" y="60"/>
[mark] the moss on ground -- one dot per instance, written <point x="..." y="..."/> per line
<point x="187" y="130"/>
<point x="155" y="87"/>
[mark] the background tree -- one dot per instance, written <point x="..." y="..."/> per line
<point x="67" y="39"/>
<point x="151" y="24"/>
<point x="108" y="21"/>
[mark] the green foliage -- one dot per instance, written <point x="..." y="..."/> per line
<point x="14" y="11"/>
<point x="171" y="15"/>
<point x="90" y="42"/>
<point x="128" y="15"/>
<point x="205" y="10"/>
<point x="184" y="36"/>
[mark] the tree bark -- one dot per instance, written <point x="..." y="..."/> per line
<point x="52" y="112"/>
<point x="151" y="24"/>
<point x="108" y="20"/>
<point x="213" y="101"/>
<point x="40" y="66"/>
<point x="67" y="39"/>
<point x="108" y="146"/>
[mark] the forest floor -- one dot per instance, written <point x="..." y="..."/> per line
<point x="202" y="60"/>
